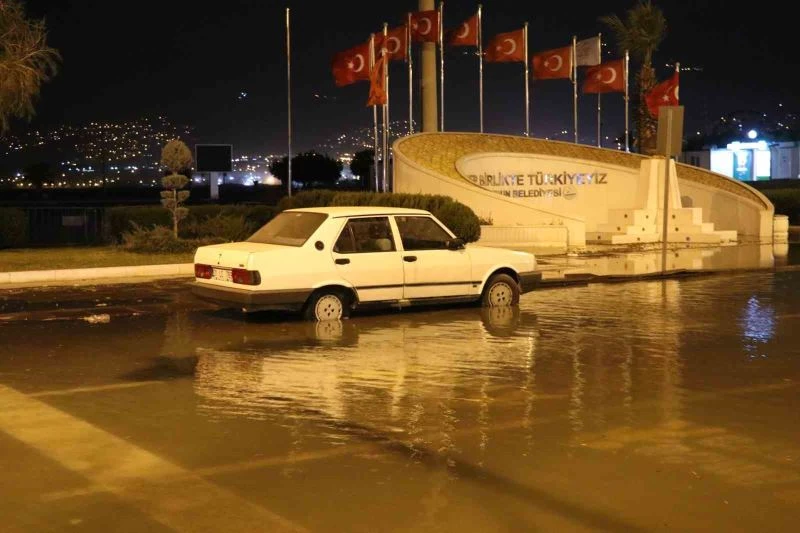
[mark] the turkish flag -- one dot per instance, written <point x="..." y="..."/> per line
<point x="425" y="26"/>
<point x="665" y="93"/>
<point x="466" y="34"/>
<point x="553" y="64"/>
<point x="606" y="77"/>
<point x="506" y="47"/>
<point x="395" y="43"/>
<point x="377" y="83"/>
<point x="351" y="65"/>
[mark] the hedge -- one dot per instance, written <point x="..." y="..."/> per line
<point x="786" y="202"/>
<point x="13" y="227"/>
<point x="458" y="217"/>
<point x="120" y="220"/>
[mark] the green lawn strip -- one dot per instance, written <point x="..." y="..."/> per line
<point x="82" y="257"/>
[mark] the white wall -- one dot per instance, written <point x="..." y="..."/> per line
<point x="411" y="178"/>
<point x="569" y="187"/>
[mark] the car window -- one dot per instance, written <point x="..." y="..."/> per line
<point x="421" y="233"/>
<point x="368" y="234"/>
<point x="290" y="228"/>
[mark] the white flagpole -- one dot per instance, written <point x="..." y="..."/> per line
<point x="527" y="93"/>
<point x="627" y="145"/>
<point x="410" y="76"/>
<point x="289" y="103"/>
<point x="600" y="55"/>
<point x="385" y="75"/>
<point x="480" y="65"/>
<point x="598" y="120"/>
<point x="574" y="88"/>
<point x="374" y="111"/>
<point x="441" y="66"/>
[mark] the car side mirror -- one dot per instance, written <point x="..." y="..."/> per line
<point x="455" y="244"/>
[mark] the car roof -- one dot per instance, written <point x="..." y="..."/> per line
<point x="361" y="210"/>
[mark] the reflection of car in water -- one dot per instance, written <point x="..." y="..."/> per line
<point x="329" y="365"/>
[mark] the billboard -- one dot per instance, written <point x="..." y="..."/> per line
<point x="213" y="157"/>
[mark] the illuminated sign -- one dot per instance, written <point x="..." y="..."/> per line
<point x="547" y="184"/>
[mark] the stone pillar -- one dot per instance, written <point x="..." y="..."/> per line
<point x="429" y="89"/>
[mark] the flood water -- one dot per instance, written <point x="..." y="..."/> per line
<point x="639" y="406"/>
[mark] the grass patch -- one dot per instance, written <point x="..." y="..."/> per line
<point x="22" y="259"/>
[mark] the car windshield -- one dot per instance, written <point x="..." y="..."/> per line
<point x="290" y="228"/>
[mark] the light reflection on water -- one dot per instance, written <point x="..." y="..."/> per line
<point x="613" y="407"/>
<point x="590" y="356"/>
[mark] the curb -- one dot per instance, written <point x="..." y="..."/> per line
<point x="79" y="274"/>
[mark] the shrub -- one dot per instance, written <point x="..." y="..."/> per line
<point x="159" y="239"/>
<point x="455" y="215"/>
<point x="226" y="228"/>
<point x="786" y="202"/>
<point x="120" y="220"/>
<point x="13" y="227"/>
<point x="312" y="198"/>
<point x="258" y="215"/>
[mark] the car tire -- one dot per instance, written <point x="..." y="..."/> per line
<point x="500" y="290"/>
<point x="327" y="304"/>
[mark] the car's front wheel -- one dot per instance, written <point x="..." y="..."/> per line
<point x="500" y="290"/>
<point x="327" y="305"/>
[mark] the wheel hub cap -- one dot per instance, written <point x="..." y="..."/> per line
<point x="328" y="308"/>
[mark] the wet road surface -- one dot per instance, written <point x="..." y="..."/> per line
<point x="645" y="406"/>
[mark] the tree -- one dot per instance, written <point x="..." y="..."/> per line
<point x="309" y="168"/>
<point x="25" y="62"/>
<point x="642" y="31"/>
<point x="362" y="165"/>
<point x="176" y="156"/>
<point x="38" y="174"/>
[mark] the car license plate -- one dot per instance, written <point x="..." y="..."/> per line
<point x="221" y="274"/>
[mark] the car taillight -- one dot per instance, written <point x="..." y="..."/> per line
<point x="203" y="271"/>
<point x="245" y="277"/>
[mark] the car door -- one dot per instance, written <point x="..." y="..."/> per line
<point x="430" y="268"/>
<point x="365" y="254"/>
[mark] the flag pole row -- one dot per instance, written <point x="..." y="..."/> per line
<point x="369" y="62"/>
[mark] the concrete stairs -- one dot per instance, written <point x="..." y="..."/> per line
<point x="640" y="226"/>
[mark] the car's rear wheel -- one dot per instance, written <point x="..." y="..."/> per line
<point x="327" y="304"/>
<point x="500" y="290"/>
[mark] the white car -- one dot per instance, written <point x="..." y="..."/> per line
<point x="327" y="261"/>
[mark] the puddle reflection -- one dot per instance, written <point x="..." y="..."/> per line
<point x="370" y="364"/>
<point x="589" y="356"/>
<point x="401" y="421"/>
<point x="696" y="258"/>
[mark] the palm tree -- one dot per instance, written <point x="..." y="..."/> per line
<point x="25" y="62"/>
<point x="640" y="34"/>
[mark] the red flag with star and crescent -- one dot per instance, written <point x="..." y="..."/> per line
<point x="506" y="47"/>
<point x="608" y="77"/>
<point x="351" y="66"/>
<point x="377" y="82"/>
<point x="466" y="34"/>
<point x="395" y="43"/>
<point x="553" y="64"/>
<point x="425" y="26"/>
<point x="665" y="93"/>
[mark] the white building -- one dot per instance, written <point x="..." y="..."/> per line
<point x="752" y="160"/>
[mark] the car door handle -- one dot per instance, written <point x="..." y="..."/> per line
<point x="342" y="261"/>
<point x="409" y="258"/>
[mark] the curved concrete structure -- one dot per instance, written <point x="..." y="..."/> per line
<point x="552" y="192"/>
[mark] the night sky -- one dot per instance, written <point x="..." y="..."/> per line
<point x="191" y="63"/>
